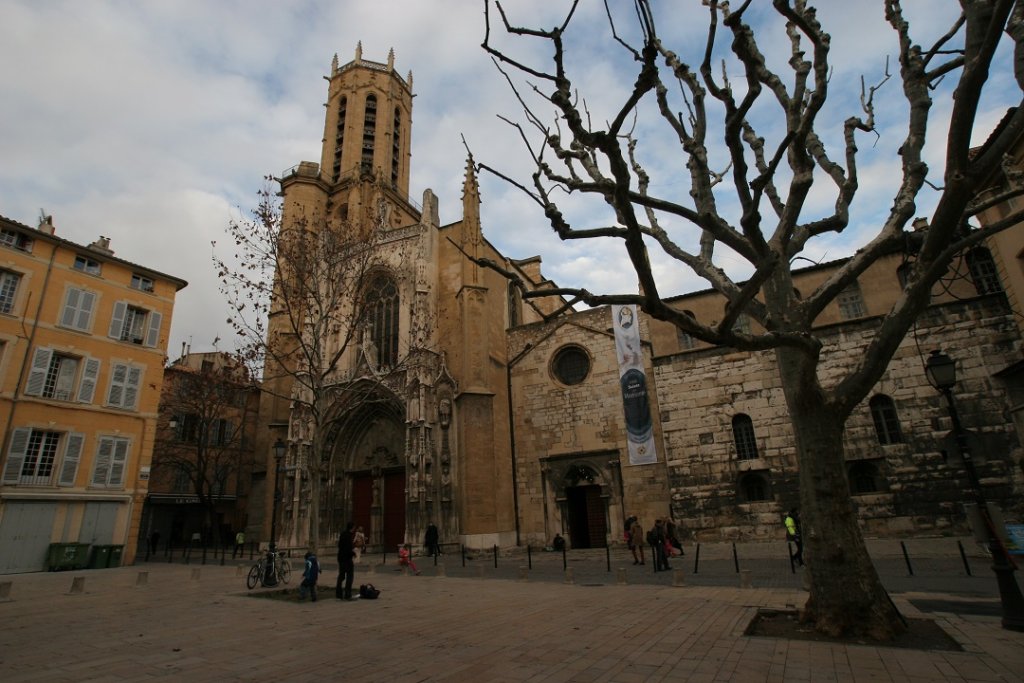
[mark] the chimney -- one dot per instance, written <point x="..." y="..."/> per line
<point x="46" y="224"/>
<point x="102" y="245"/>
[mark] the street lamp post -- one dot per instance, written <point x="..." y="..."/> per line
<point x="270" y="574"/>
<point x="941" y="372"/>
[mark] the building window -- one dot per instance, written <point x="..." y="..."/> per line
<point x="513" y="300"/>
<point x="887" y="422"/>
<point x="32" y="458"/>
<point x="685" y="340"/>
<point x="903" y="274"/>
<point x="742" y="324"/>
<point x="8" y="289"/>
<point x="571" y="365"/>
<point x="863" y="477"/>
<point x="111" y="459"/>
<point x="87" y="265"/>
<point x="753" y="487"/>
<point x="396" y="147"/>
<point x="141" y="283"/>
<point x="369" y="133"/>
<point x="851" y="302"/>
<point x="56" y="375"/>
<point x="983" y="271"/>
<point x="339" y="138"/>
<point x="136" y="325"/>
<point x="743" y="437"/>
<point x="382" y="318"/>
<point x="12" y="239"/>
<point x="125" y="381"/>
<point x="77" y="311"/>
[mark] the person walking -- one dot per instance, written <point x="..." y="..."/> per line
<point x="430" y="541"/>
<point x="636" y="540"/>
<point x="346" y="567"/>
<point x="239" y="545"/>
<point x="656" y="539"/>
<point x="310" y="574"/>
<point x="359" y="543"/>
<point x="792" y="523"/>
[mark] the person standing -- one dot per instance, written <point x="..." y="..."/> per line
<point x="636" y="540"/>
<point x="430" y="541"/>
<point x="346" y="567"/>
<point x="656" y="538"/>
<point x="792" y="523"/>
<point x="239" y="545"/>
<point x="309" y="577"/>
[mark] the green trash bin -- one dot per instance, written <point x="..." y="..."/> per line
<point x="100" y="556"/>
<point x="62" y="556"/>
<point x="115" y="556"/>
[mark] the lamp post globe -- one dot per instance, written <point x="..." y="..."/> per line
<point x="270" y="573"/>
<point x="940" y="369"/>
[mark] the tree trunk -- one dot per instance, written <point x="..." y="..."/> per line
<point x="846" y="596"/>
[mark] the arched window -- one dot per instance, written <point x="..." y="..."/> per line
<point x="743" y="436"/>
<point x="369" y="133"/>
<point x="396" y="146"/>
<point x="903" y="274"/>
<point x="339" y="138"/>
<point x="753" y="487"/>
<point x="742" y="324"/>
<point x="887" y="422"/>
<point x="863" y="476"/>
<point x="983" y="271"/>
<point x="382" y="319"/>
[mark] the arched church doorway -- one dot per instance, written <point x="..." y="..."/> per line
<point x="586" y="510"/>
<point x="369" y="467"/>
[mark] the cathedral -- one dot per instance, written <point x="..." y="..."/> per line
<point x="504" y="421"/>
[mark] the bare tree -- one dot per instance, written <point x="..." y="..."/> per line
<point x="207" y="444"/>
<point x="769" y="181"/>
<point x="301" y="290"/>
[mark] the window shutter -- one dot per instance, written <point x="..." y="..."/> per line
<point x="72" y="456"/>
<point x="115" y="396"/>
<point x="131" y="389"/>
<point x="117" y="321"/>
<point x="67" y="318"/>
<point x="87" y="389"/>
<point x="153" y="336"/>
<point x="118" y="463"/>
<point x="37" y="375"/>
<point x="101" y="469"/>
<point x="16" y="456"/>
<point x="85" y="305"/>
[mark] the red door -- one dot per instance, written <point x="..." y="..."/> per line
<point x="362" y="499"/>
<point x="394" y="510"/>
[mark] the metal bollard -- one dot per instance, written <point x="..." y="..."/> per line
<point x="621" y="576"/>
<point x="745" y="578"/>
<point x="195" y="573"/>
<point x="77" y="585"/>
<point x="677" y="578"/>
<point x="142" y="579"/>
<point x="524" y="574"/>
<point x="5" y="591"/>
<point x="569" y="578"/>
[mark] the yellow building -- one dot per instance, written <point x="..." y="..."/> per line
<point x="83" y="337"/>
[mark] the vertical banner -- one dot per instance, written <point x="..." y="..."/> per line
<point x="639" y="425"/>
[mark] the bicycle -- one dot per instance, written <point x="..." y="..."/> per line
<point x="282" y="570"/>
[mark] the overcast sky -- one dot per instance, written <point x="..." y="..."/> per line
<point x="153" y="123"/>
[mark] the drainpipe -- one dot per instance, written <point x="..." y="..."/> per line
<point x="24" y="360"/>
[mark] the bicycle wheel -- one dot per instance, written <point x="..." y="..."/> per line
<point x="254" y="575"/>
<point x="284" y="570"/>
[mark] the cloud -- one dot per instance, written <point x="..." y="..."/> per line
<point x="154" y="123"/>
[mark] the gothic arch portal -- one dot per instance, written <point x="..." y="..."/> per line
<point x="584" y="488"/>
<point x="368" y="478"/>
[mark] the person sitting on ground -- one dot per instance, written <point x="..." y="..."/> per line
<point x="405" y="558"/>
<point x="558" y="543"/>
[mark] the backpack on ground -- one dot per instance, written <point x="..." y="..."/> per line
<point x="368" y="592"/>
